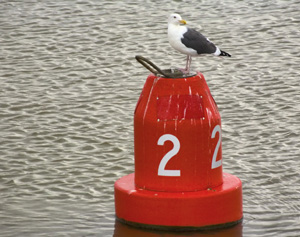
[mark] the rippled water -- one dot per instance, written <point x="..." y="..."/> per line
<point x="69" y="85"/>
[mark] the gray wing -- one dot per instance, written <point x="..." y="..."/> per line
<point x="195" y="40"/>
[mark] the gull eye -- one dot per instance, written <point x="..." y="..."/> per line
<point x="174" y="17"/>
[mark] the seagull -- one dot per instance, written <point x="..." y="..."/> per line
<point x="189" y="41"/>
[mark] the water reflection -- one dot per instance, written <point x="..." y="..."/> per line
<point x="123" y="230"/>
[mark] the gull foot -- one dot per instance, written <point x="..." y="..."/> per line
<point x="184" y="71"/>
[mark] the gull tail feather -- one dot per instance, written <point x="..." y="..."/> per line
<point x="223" y="53"/>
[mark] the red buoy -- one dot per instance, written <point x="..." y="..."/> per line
<point x="178" y="180"/>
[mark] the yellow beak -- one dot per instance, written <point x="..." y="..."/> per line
<point x="182" y="21"/>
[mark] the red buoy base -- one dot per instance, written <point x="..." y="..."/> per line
<point x="205" y="209"/>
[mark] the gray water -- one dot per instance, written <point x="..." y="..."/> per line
<point x="70" y="83"/>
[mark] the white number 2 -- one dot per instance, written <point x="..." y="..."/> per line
<point x="161" y="168"/>
<point x="176" y="146"/>
<point x="214" y="163"/>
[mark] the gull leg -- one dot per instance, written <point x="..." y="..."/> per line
<point x="188" y="64"/>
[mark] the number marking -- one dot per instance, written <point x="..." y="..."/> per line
<point x="161" y="168"/>
<point x="214" y="163"/>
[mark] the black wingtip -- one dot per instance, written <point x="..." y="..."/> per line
<point x="223" y="53"/>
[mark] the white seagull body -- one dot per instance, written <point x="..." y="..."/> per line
<point x="189" y="41"/>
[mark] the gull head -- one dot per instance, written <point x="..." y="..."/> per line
<point x="176" y="19"/>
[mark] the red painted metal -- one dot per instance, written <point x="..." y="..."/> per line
<point x="211" y="207"/>
<point x="184" y="108"/>
<point x="178" y="180"/>
<point x="179" y="107"/>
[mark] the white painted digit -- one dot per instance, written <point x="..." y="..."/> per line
<point x="214" y="163"/>
<point x="161" y="168"/>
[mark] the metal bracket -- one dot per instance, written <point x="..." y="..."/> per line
<point x="168" y="73"/>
